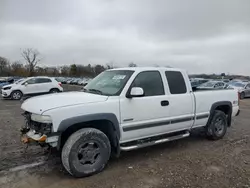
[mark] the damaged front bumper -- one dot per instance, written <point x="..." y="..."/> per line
<point x="37" y="132"/>
<point x="30" y="136"/>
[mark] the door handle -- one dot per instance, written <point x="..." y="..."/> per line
<point x="164" y="103"/>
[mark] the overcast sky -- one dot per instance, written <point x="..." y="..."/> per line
<point x="196" y="35"/>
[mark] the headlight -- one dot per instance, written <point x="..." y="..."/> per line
<point x="6" y="88"/>
<point x="41" y="118"/>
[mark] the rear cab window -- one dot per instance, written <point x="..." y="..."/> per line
<point x="176" y="82"/>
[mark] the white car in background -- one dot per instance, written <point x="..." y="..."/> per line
<point x="213" y="85"/>
<point x="31" y="86"/>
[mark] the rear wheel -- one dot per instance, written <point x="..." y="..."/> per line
<point x="86" y="152"/>
<point x="242" y="95"/>
<point x="16" y="95"/>
<point x="218" y="126"/>
<point x="54" y="90"/>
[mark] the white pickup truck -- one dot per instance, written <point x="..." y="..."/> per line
<point x="125" y="109"/>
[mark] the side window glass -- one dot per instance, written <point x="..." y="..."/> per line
<point x="176" y="82"/>
<point x="31" y="81"/>
<point x="150" y="82"/>
<point x="43" y="80"/>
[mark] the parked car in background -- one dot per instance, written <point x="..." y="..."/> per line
<point x="213" y="85"/>
<point x="225" y="80"/>
<point x="82" y="81"/>
<point x="2" y="80"/>
<point x="87" y="81"/>
<point x="31" y="86"/>
<point x="64" y="81"/>
<point x="243" y="88"/>
<point x="7" y="82"/>
<point x="245" y="81"/>
<point x="197" y="82"/>
<point x="69" y="81"/>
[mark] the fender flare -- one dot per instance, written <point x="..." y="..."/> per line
<point x="221" y="103"/>
<point x="116" y="134"/>
<point x="66" y="123"/>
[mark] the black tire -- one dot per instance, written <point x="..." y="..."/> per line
<point x="242" y="95"/>
<point x="82" y="162"/>
<point x="16" y="95"/>
<point x="217" y="127"/>
<point x="54" y="90"/>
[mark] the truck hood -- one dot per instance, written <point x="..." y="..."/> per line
<point x="40" y="104"/>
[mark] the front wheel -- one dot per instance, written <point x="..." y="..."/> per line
<point x="217" y="128"/>
<point x="86" y="152"/>
<point x="16" y="95"/>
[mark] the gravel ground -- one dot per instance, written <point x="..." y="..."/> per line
<point x="190" y="162"/>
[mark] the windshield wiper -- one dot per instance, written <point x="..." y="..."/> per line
<point x="95" y="91"/>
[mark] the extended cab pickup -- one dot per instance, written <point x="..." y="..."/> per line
<point x="125" y="109"/>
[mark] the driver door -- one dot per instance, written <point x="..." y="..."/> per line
<point x="148" y="114"/>
<point x="29" y="87"/>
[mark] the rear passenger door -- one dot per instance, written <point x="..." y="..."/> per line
<point x="43" y="85"/>
<point x="181" y="101"/>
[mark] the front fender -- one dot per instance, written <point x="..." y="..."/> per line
<point x="90" y="117"/>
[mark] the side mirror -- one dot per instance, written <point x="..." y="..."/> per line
<point x="136" y="92"/>
<point x="25" y="83"/>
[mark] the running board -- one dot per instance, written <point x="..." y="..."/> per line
<point x="167" y="139"/>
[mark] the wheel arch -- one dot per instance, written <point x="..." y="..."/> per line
<point x="18" y="91"/>
<point x="105" y="122"/>
<point x="224" y="106"/>
<point x="54" y="88"/>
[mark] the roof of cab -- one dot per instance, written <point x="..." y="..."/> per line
<point x="148" y="69"/>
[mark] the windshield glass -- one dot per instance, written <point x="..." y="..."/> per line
<point x="19" y="81"/>
<point x="208" y="84"/>
<point x="238" y="84"/>
<point x="109" y="82"/>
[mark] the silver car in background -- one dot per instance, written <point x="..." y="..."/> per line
<point x="213" y="85"/>
<point x="242" y="87"/>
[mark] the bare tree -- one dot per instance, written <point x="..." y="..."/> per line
<point x="32" y="58"/>
<point x="16" y="68"/>
<point x="4" y="63"/>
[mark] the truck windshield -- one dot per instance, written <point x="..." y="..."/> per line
<point x="109" y="83"/>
